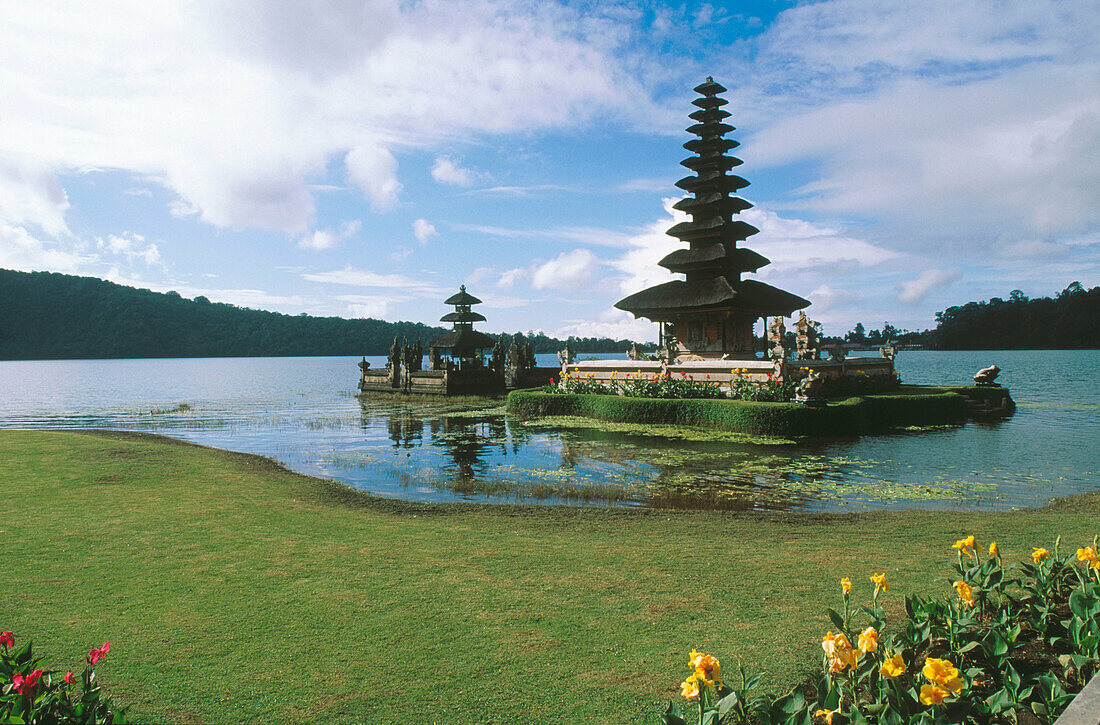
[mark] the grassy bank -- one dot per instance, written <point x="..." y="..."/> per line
<point x="233" y="591"/>
<point x="912" y="406"/>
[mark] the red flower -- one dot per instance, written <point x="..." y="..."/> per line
<point x="69" y="678"/>
<point x="7" y="639"/>
<point x="23" y="683"/>
<point x="97" y="654"/>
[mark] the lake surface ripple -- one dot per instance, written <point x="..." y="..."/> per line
<point x="304" y="413"/>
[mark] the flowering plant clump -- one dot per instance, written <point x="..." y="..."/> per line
<point x="771" y="390"/>
<point x="31" y="694"/>
<point x="1007" y="642"/>
<point x="638" y="385"/>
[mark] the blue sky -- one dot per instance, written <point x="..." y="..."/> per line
<point x="363" y="159"/>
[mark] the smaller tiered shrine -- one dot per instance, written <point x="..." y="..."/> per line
<point x="463" y="348"/>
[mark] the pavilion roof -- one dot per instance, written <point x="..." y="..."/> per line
<point x="463" y="339"/>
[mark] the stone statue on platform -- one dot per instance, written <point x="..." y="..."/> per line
<point x="809" y="389"/>
<point x="393" y="361"/>
<point x="985" y="377"/>
<point x="566" y="356"/>
<point x="776" y="334"/>
<point x="363" y="365"/>
<point x="808" y="337"/>
<point x="889" y="351"/>
<point x="418" y="356"/>
<point x="498" y="357"/>
<point x="528" y="356"/>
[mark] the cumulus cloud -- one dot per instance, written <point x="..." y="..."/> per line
<point x="30" y="193"/>
<point x="446" y="171"/>
<point x="374" y="170"/>
<point x="239" y="107"/>
<point x="567" y="272"/>
<point x="613" y="323"/>
<point x="914" y="291"/>
<point x="509" y="278"/>
<point x="132" y="246"/>
<point x="322" y="239"/>
<point x="22" y="251"/>
<point x="423" y="231"/>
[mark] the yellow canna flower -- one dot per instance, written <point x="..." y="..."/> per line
<point x="868" y="640"/>
<point x="893" y="667"/>
<point x="839" y="651"/>
<point x="827" y="714"/>
<point x="932" y="694"/>
<point x="1039" y="554"/>
<point x="689" y="688"/>
<point x="880" y="582"/>
<point x="707" y="668"/>
<point x="846" y="586"/>
<point x="942" y="673"/>
<point x="965" y="546"/>
<point x="1087" y="554"/>
<point x="966" y="593"/>
<point x="993" y="551"/>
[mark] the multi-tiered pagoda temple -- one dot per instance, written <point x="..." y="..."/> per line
<point x="712" y="313"/>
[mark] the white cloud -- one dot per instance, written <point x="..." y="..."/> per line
<point x="30" y="193"/>
<point x="21" y="251"/>
<point x="613" y="323"/>
<point x="365" y="278"/>
<point x="914" y="291"/>
<point x="567" y="272"/>
<point x="322" y="239"/>
<point x="132" y="246"/>
<point x="401" y="254"/>
<point x="239" y="107"/>
<point x="375" y="309"/>
<point x="374" y="170"/>
<point x="509" y="278"/>
<point x="423" y="231"/>
<point x="446" y="171"/>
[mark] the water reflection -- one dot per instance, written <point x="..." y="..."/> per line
<point x="304" y="413"/>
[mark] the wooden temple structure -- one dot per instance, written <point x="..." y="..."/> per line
<point x="711" y="313"/>
<point x="707" y="320"/>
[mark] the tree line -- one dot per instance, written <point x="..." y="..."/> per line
<point x="46" y="315"/>
<point x="1068" y="321"/>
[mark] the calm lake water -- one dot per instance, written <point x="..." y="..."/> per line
<point x="304" y="413"/>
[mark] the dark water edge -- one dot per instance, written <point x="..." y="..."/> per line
<point x="304" y="413"/>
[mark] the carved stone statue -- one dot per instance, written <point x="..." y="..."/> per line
<point x="776" y="334"/>
<point x="528" y="356"/>
<point x="498" y="357"/>
<point x="888" y="350"/>
<point x="986" y="376"/>
<point x="808" y="337"/>
<point x="363" y="365"/>
<point x="394" y="359"/>
<point x="809" y="389"/>
<point x="418" y="356"/>
<point x="566" y="356"/>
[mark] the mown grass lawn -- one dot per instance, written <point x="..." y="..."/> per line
<point x="232" y="590"/>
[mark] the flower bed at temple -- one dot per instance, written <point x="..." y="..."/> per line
<point x="912" y="406"/>
<point x="1011" y="643"/>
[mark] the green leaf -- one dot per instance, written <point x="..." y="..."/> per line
<point x="999" y="701"/>
<point x="792" y="703"/>
<point x="672" y="715"/>
<point x="835" y="618"/>
<point x="969" y="646"/>
<point x="726" y="704"/>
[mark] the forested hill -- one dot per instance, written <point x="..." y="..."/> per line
<point x="44" y="315"/>
<point x="1069" y="321"/>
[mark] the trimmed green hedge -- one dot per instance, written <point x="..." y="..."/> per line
<point x="852" y="416"/>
